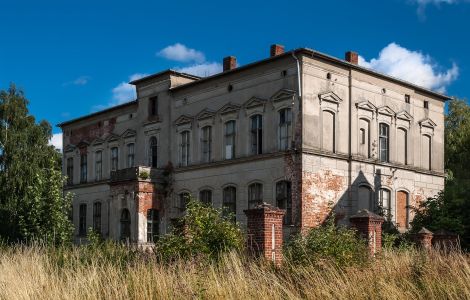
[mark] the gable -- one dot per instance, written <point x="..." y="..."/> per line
<point x="385" y="110"/>
<point x="254" y="102"/>
<point x="112" y="137"/>
<point x="128" y="133"/>
<point x="97" y="141"/>
<point x="229" y="108"/>
<point x="283" y="94"/>
<point x="427" y="123"/>
<point x="329" y="97"/>
<point x="404" y="115"/>
<point x="69" y="148"/>
<point x="367" y="105"/>
<point x="183" y="119"/>
<point x="205" y="114"/>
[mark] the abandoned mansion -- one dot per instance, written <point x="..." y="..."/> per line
<point x="300" y="130"/>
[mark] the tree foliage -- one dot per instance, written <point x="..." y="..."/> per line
<point x="32" y="204"/>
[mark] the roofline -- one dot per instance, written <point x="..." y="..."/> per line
<point x="314" y="53"/>
<point x="96" y="113"/>
<point x="169" y="71"/>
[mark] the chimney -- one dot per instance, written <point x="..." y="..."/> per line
<point x="352" y="57"/>
<point x="276" y="49"/>
<point x="230" y="63"/>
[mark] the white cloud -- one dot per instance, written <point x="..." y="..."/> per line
<point x="56" y="141"/>
<point x="203" y="69"/>
<point x="423" y="3"/>
<point x="82" y="80"/>
<point x="180" y="52"/>
<point x="412" y="66"/>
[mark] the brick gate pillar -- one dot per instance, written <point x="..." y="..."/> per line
<point x="369" y="225"/>
<point x="264" y="231"/>
<point x="424" y="238"/>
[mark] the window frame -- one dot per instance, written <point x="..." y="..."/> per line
<point x="205" y="196"/>
<point x="206" y="143"/>
<point x="285" y="126"/>
<point x="255" y="194"/>
<point x="83" y="167"/>
<point x="153" y="152"/>
<point x="82" y="212"/>
<point x="69" y="168"/>
<point x="230" y="138"/>
<point x="386" y="138"/>
<point x="97" y="213"/>
<point x="152" y="225"/>
<point x="98" y="165"/>
<point x="185" y="148"/>
<point x="284" y="201"/>
<point x="114" y="158"/>
<point x="229" y="200"/>
<point x="256" y="134"/>
<point x="130" y="155"/>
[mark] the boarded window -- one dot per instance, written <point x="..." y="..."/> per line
<point x="426" y="152"/>
<point x="403" y="218"/>
<point x="328" y="127"/>
<point x="402" y="146"/>
<point x="364" y="138"/>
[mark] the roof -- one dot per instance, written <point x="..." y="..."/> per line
<point x="165" y="72"/>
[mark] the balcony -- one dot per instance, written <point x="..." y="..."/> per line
<point x="137" y="173"/>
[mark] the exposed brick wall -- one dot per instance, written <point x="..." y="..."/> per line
<point x="276" y="50"/>
<point x="90" y="132"/>
<point x="369" y="225"/>
<point x="230" y="63"/>
<point x="264" y="226"/>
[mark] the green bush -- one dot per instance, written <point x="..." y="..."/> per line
<point x="336" y="244"/>
<point x="204" y="231"/>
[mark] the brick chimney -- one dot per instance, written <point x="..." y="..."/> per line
<point x="276" y="49"/>
<point x="352" y="57"/>
<point x="230" y="63"/>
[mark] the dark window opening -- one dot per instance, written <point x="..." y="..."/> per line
<point x="284" y="200"/>
<point x="152" y="225"/>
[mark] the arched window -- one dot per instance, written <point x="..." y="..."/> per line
<point x="285" y="128"/>
<point x="82" y="220"/>
<point x="114" y="159"/>
<point x="364" y="138"/>
<point x="255" y="194"/>
<point x="206" y="143"/>
<point x="364" y="196"/>
<point x="83" y="168"/>
<point x="229" y="201"/>
<point x="205" y="196"/>
<point x="153" y="152"/>
<point x="284" y="199"/>
<point x="125" y="225"/>
<point x="403" y="210"/>
<point x="385" y="203"/>
<point x="328" y="127"/>
<point x="130" y="155"/>
<point x="230" y="135"/>
<point x="256" y="134"/>
<point x="98" y="165"/>
<point x="184" y="148"/>
<point x="97" y="217"/>
<point x="152" y="225"/>
<point x="183" y="199"/>
<point x="426" y="152"/>
<point x="384" y="142"/>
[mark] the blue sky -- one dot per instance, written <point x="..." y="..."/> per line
<point x="75" y="57"/>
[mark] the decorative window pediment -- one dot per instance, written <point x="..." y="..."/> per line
<point x="69" y="148"/>
<point x="128" y="133"/>
<point x="329" y="97"/>
<point x="283" y="94"/>
<point x="385" y="110"/>
<point x="254" y="102"/>
<point x="183" y="119"/>
<point x="205" y="114"/>
<point x="367" y="105"/>
<point x="112" y="137"/>
<point x="229" y="108"/>
<point x="427" y="123"/>
<point x="97" y="141"/>
<point x="83" y="144"/>
<point x="404" y="115"/>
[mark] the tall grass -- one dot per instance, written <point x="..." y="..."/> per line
<point x="81" y="273"/>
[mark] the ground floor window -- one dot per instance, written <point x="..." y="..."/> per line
<point x="152" y="225"/>
<point x="125" y="225"/>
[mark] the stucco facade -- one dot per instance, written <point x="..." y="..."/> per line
<point x="301" y="130"/>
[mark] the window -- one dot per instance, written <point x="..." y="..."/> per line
<point x="257" y="134"/>
<point x="153" y="152"/>
<point x="407" y="99"/>
<point x="285" y="128"/>
<point x="426" y="104"/>
<point x="403" y="210"/>
<point x="130" y="155"/>
<point x="153" y="106"/>
<point x="152" y="225"/>
<point x="426" y="153"/>
<point x="364" y="200"/>
<point x="183" y="200"/>
<point x="206" y="143"/>
<point x="205" y="196"/>
<point x="83" y="168"/>
<point x="229" y="201"/>
<point x="383" y="142"/>
<point x="70" y="170"/>
<point x="328" y="131"/>
<point x="385" y="203"/>
<point x="364" y="138"/>
<point x="82" y="220"/>
<point x="97" y="217"/>
<point x="114" y="159"/>
<point x="184" y="148"/>
<point x="125" y="223"/>
<point x="230" y="140"/>
<point x="402" y="146"/>
<point x="284" y="200"/>
<point x="98" y="165"/>
<point x="255" y="195"/>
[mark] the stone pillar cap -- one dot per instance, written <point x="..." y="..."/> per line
<point x="366" y="214"/>
<point x="265" y="207"/>
<point x="424" y="230"/>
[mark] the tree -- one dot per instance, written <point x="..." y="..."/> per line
<point x="32" y="204"/>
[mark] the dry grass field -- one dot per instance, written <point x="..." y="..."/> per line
<point x="38" y="273"/>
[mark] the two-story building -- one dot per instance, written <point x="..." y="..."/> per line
<point x="301" y="130"/>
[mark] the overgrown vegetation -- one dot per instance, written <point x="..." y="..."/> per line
<point x="32" y="203"/>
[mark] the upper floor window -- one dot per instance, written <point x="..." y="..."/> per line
<point x="114" y="159"/>
<point x="255" y="194"/>
<point x="328" y="131"/>
<point x="256" y="134"/>
<point x="384" y="134"/>
<point x="363" y="147"/>
<point x="82" y="220"/>
<point x="153" y="152"/>
<point x="98" y="165"/>
<point x="285" y="128"/>
<point x="426" y="153"/>
<point x="205" y="196"/>
<point x="153" y="106"/>
<point x="402" y="146"/>
<point x="83" y="168"/>
<point x="130" y="155"/>
<point x="97" y="217"/>
<point x="230" y="140"/>
<point x="184" y="148"/>
<point x="284" y="199"/>
<point x="70" y="170"/>
<point x="229" y="200"/>
<point x="206" y="143"/>
<point x="152" y="225"/>
<point x="426" y="104"/>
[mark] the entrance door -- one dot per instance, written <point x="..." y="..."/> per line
<point x="402" y="210"/>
